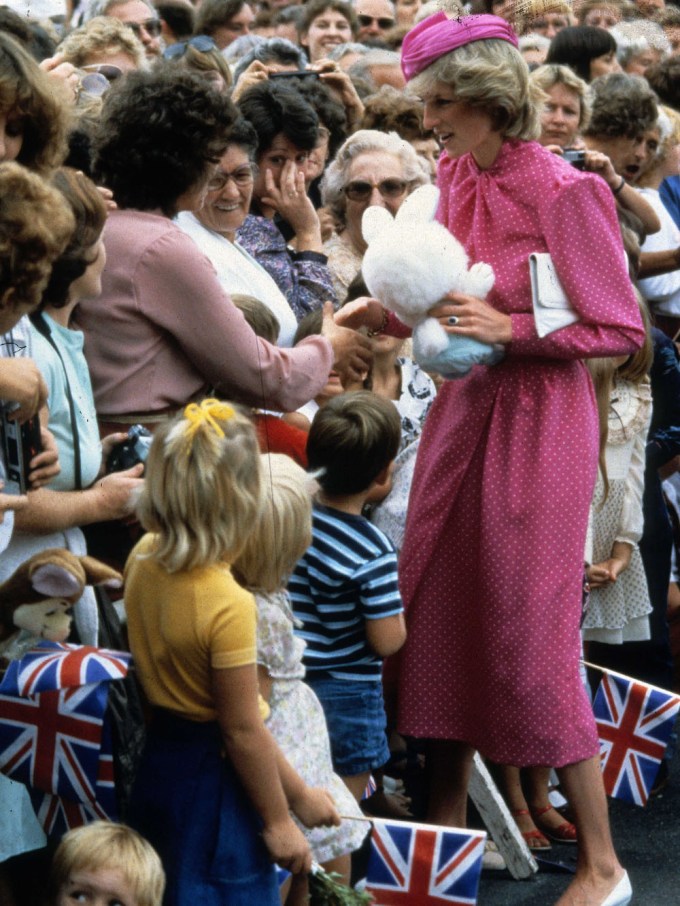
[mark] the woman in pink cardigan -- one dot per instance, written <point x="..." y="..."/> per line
<point x="164" y="332"/>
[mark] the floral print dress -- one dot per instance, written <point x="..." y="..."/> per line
<point x="298" y="725"/>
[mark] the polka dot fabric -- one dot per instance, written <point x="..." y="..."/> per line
<point x="491" y="567"/>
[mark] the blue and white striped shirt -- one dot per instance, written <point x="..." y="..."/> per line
<point x="348" y="575"/>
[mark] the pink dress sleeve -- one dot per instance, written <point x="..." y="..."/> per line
<point x="582" y="235"/>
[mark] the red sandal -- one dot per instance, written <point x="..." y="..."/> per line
<point x="535" y="840"/>
<point x="565" y="833"/>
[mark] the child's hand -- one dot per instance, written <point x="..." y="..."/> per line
<point x="601" y="574"/>
<point x="288" y="847"/>
<point x="315" y="807"/>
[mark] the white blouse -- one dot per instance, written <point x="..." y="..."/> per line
<point x="239" y="273"/>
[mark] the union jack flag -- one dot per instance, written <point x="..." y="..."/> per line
<point x="424" y="865"/>
<point x="56" y="742"/>
<point x="57" y="665"/>
<point x="634" y="723"/>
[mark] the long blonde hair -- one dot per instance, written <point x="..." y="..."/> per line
<point x="203" y="489"/>
<point x="284" y="530"/>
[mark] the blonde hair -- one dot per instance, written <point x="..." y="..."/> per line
<point x="284" y="530"/>
<point x="104" y="845"/>
<point x="491" y="75"/>
<point x="605" y="372"/>
<point x="203" y="488"/>
<point x="551" y="74"/>
<point x="100" y="35"/>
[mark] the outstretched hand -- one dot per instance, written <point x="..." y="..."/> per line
<point x="351" y="350"/>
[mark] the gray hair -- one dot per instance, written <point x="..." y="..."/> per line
<point x="342" y="50"/>
<point x="272" y="50"/>
<point x="454" y="7"/>
<point x="102" y="7"/>
<point x="376" y="56"/>
<point x="634" y="38"/>
<point x="394" y="9"/>
<point x="532" y="41"/>
<point x="364" y="141"/>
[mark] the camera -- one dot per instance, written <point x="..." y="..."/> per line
<point x="20" y="444"/>
<point x="131" y="451"/>
<point x="576" y="157"/>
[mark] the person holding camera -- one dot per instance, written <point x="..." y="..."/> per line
<point x="81" y="494"/>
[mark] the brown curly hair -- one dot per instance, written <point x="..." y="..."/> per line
<point x="390" y="110"/>
<point x="27" y="93"/>
<point x="35" y="226"/>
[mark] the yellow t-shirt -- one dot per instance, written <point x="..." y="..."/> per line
<point x="183" y="624"/>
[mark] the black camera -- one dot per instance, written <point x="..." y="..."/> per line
<point x="131" y="451"/>
<point x="20" y="444"/>
<point x="576" y="157"/>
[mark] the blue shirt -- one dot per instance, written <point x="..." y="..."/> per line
<point x="347" y="576"/>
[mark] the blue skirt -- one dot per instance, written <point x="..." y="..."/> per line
<point x="188" y="802"/>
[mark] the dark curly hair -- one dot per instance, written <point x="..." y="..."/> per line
<point x="578" y="45"/>
<point x="331" y="113"/>
<point x="28" y="94"/>
<point x="624" y="106"/>
<point x="273" y="108"/>
<point x="35" y="227"/>
<point x="159" y="133"/>
<point x="89" y="210"/>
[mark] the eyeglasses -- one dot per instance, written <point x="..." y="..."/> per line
<point x="152" y="27"/>
<point x="108" y="70"/>
<point x="388" y="188"/>
<point x="383" y="21"/>
<point x="200" y="42"/>
<point x="242" y="177"/>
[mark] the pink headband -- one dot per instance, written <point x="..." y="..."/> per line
<point x="437" y="35"/>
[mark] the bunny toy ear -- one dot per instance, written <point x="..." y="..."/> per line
<point x="419" y="207"/>
<point x="374" y="222"/>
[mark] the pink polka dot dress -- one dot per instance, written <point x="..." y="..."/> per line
<point x="492" y="563"/>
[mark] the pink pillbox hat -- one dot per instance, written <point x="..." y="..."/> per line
<point x="437" y="35"/>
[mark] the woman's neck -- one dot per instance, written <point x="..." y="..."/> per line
<point x="386" y="377"/>
<point x="62" y="316"/>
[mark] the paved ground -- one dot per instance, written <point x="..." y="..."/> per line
<point x="647" y="840"/>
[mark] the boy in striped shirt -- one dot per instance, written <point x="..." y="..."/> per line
<point x="344" y="589"/>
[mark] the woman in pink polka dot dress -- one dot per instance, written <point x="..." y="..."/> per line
<point x="492" y="563"/>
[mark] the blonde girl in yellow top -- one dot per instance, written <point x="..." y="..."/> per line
<point x="213" y="790"/>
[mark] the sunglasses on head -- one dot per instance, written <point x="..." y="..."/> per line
<point x="358" y="190"/>
<point x="200" y="42"/>
<point x="383" y="21"/>
<point x="152" y="27"/>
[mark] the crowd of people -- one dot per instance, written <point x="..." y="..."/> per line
<point x="337" y="564"/>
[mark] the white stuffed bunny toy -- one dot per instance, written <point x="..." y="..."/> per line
<point x="411" y="263"/>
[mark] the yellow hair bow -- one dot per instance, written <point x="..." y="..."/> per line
<point x="206" y="413"/>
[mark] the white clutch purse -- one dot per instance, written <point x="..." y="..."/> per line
<point x="552" y="309"/>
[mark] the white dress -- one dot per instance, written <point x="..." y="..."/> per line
<point x="298" y="725"/>
<point x="618" y="613"/>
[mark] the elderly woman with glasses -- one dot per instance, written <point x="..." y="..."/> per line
<point x="213" y="228"/>
<point x="371" y="168"/>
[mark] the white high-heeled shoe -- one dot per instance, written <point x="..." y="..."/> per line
<point x="621" y="894"/>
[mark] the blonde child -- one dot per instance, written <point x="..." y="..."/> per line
<point x="296" y="721"/>
<point x="619" y="598"/>
<point x="212" y="787"/>
<point x="104" y="863"/>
